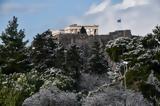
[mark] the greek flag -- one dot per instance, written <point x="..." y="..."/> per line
<point x="119" y="20"/>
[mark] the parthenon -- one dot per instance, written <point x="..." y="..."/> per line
<point x="91" y="30"/>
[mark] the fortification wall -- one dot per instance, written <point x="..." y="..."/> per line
<point x="86" y="41"/>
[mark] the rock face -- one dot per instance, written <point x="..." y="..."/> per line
<point x="115" y="97"/>
<point x="51" y="97"/>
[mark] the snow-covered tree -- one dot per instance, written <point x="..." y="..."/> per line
<point x="60" y="57"/>
<point x="43" y="51"/>
<point x="156" y="32"/>
<point x="151" y="89"/>
<point x="143" y="55"/>
<point x="73" y="60"/>
<point x="117" y="47"/>
<point x="152" y="40"/>
<point x="13" y="56"/>
<point x="73" y="63"/>
<point x="97" y="62"/>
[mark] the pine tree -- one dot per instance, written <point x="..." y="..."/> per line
<point x="13" y="57"/>
<point x="156" y="32"/>
<point x="73" y="60"/>
<point x="152" y="40"/>
<point x="43" y="51"/>
<point x="73" y="64"/>
<point x="60" y="57"/>
<point x="97" y="62"/>
<point x="83" y="30"/>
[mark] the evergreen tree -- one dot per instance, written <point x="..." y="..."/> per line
<point x="152" y="40"/>
<point x="83" y="30"/>
<point x="73" y="63"/>
<point x="43" y="51"/>
<point x="156" y="32"/>
<point x="73" y="60"/>
<point x="97" y="62"/>
<point x="60" y="57"/>
<point x="13" y="57"/>
<point x="149" y="41"/>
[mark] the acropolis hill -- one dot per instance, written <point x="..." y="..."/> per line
<point x="72" y="35"/>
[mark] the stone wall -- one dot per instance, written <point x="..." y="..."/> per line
<point x="86" y="41"/>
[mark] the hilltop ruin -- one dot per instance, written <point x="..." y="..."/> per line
<point x="71" y="35"/>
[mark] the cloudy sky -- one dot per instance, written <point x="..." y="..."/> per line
<point x="36" y="16"/>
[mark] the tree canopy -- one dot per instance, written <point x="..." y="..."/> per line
<point x="13" y="54"/>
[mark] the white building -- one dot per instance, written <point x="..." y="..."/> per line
<point x="75" y="29"/>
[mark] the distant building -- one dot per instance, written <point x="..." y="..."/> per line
<point x="71" y="35"/>
<point x="80" y="40"/>
<point x="91" y="30"/>
<point x="57" y="32"/>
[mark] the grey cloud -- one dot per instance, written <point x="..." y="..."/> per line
<point x="7" y="8"/>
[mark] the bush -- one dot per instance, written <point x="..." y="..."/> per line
<point x="142" y="55"/>
<point x="116" y="48"/>
<point x="16" y="87"/>
<point x="56" y="77"/>
<point x="135" y="77"/>
<point x="149" y="91"/>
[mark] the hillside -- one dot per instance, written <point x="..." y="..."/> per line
<point x="123" y="72"/>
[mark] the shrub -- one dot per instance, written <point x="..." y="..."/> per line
<point x="57" y="77"/>
<point x="16" y="87"/>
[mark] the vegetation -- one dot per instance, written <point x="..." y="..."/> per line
<point x="25" y="70"/>
<point x="97" y="63"/>
<point x="14" y="88"/>
<point x="142" y="55"/>
<point x="43" y="44"/>
<point x="83" y="30"/>
<point x="13" y="56"/>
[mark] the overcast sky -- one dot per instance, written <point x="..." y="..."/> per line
<point x="36" y="16"/>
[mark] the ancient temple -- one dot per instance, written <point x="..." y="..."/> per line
<point x="91" y="30"/>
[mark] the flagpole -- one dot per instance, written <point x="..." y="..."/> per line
<point x="119" y="24"/>
<point x="119" y="21"/>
